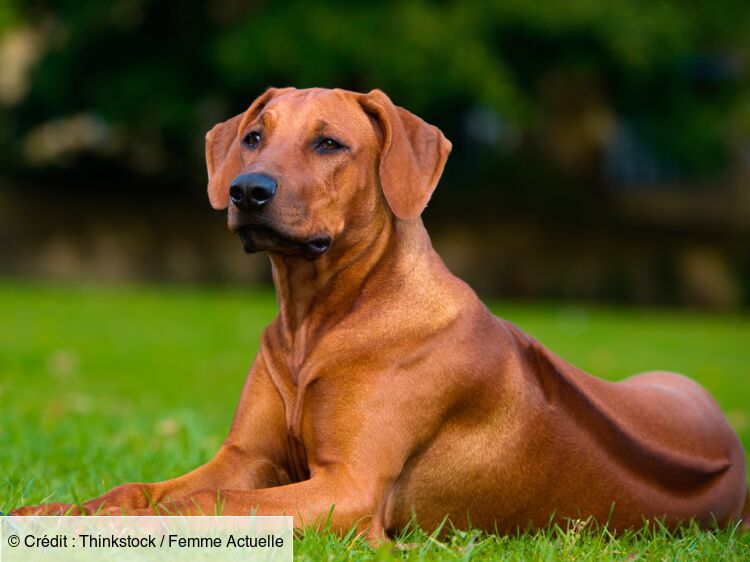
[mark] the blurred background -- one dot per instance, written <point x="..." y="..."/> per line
<point x="601" y="149"/>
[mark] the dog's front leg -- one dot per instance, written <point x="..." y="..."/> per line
<point x="251" y="457"/>
<point x="331" y="492"/>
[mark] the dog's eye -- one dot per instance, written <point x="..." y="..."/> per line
<point x="328" y="145"/>
<point x="252" y="140"/>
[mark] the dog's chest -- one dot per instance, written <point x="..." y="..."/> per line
<point x="292" y="384"/>
<point x="292" y="395"/>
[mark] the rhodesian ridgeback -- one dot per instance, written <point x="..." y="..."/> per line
<point x="386" y="389"/>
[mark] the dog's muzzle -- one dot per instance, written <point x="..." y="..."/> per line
<point x="261" y="238"/>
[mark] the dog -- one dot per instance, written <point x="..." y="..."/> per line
<point x="385" y="390"/>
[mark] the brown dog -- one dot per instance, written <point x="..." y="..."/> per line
<point x="385" y="387"/>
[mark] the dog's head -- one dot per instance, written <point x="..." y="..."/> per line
<point x="304" y="170"/>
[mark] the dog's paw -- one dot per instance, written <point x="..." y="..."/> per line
<point x="47" y="509"/>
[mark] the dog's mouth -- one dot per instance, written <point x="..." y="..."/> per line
<point x="261" y="238"/>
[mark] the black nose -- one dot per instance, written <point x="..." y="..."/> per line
<point x="250" y="191"/>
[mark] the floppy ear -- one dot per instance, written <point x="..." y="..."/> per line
<point x="412" y="157"/>
<point x="223" y="158"/>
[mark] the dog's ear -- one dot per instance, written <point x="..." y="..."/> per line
<point x="412" y="156"/>
<point x="223" y="158"/>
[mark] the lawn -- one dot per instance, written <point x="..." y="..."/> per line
<point x="103" y="385"/>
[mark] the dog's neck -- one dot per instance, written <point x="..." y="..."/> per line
<point x="314" y="294"/>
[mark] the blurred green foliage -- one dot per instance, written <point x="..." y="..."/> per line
<point x="558" y="80"/>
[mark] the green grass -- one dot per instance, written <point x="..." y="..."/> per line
<point x="104" y="385"/>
